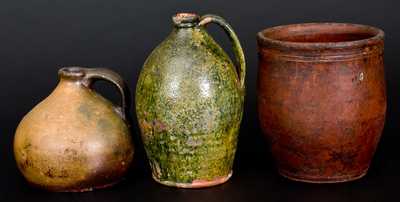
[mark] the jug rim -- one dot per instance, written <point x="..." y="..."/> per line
<point x="72" y="72"/>
<point x="358" y="36"/>
<point x="186" y="19"/>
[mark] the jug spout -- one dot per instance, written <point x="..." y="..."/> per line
<point x="71" y="72"/>
<point x="186" y="20"/>
<point x="76" y="75"/>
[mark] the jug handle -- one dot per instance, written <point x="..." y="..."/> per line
<point x="94" y="74"/>
<point x="237" y="48"/>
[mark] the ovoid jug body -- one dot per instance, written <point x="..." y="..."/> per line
<point x="75" y="140"/>
<point x="189" y="104"/>
<point x="322" y="98"/>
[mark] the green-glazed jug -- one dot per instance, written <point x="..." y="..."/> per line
<point x="189" y="104"/>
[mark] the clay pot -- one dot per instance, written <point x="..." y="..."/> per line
<point x="189" y="104"/>
<point x="322" y="98"/>
<point x="75" y="140"/>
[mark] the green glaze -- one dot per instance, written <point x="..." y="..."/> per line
<point x="189" y="104"/>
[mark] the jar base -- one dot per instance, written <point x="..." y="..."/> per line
<point x="322" y="180"/>
<point x="195" y="184"/>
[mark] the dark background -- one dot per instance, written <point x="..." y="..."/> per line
<point x="37" y="37"/>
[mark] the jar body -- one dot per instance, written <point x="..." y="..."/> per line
<point x="322" y="111"/>
<point x="74" y="140"/>
<point x="189" y="107"/>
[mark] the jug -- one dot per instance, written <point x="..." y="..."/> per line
<point x="189" y="104"/>
<point x="76" y="140"/>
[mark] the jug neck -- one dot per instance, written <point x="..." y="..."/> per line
<point x="72" y="75"/>
<point x="71" y="82"/>
<point x="80" y="76"/>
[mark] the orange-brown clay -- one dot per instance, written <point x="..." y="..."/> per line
<point x="322" y="98"/>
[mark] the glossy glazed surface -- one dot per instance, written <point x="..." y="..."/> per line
<point x="189" y="105"/>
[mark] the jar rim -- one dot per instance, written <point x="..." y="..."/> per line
<point x="347" y="36"/>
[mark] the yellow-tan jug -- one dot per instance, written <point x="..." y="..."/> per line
<point x="76" y="140"/>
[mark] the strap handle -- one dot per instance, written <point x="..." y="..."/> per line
<point x="237" y="48"/>
<point x="91" y="75"/>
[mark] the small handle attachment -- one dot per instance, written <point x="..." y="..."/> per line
<point x="237" y="48"/>
<point x="88" y="76"/>
<point x="94" y="74"/>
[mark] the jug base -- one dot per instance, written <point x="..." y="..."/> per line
<point x="196" y="183"/>
<point x="322" y="180"/>
<point x="71" y="189"/>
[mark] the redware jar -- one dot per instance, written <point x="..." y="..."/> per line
<point x="322" y="98"/>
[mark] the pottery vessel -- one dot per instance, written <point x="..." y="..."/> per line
<point x="322" y="98"/>
<point x="189" y="104"/>
<point x="75" y="140"/>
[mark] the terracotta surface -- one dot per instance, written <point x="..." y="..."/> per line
<point x="75" y="140"/>
<point x="189" y="104"/>
<point x="322" y="98"/>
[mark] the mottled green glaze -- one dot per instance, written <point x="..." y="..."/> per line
<point x="189" y="104"/>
